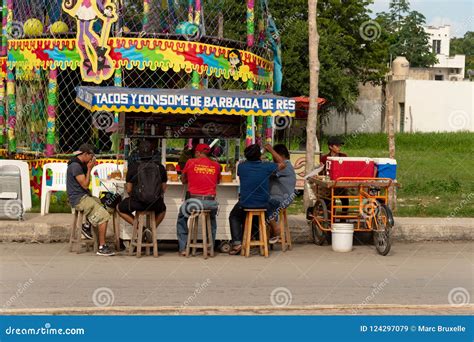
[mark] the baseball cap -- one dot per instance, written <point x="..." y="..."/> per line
<point x="203" y="148"/>
<point x="86" y="148"/>
<point x="335" y="141"/>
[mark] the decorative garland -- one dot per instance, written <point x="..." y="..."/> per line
<point x="141" y="53"/>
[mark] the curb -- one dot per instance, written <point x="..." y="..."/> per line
<point x="56" y="229"/>
<point x="354" y="309"/>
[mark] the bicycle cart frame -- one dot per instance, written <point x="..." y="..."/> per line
<point x="369" y="194"/>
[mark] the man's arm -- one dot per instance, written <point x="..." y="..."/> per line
<point x="184" y="176"/>
<point x="84" y="180"/>
<point x="276" y="157"/>
<point x="129" y="188"/>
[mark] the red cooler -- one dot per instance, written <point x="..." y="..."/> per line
<point x="349" y="167"/>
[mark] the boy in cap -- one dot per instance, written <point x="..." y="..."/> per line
<point x="78" y="178"/>
<point x="334" y="145"/>
<point x="202" y="176"/>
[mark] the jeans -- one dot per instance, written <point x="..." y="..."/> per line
<point x="185" y="211"/>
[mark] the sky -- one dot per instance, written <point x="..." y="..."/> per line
<point x="457" y="13"/>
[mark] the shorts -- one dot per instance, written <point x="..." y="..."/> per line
<point x="94" y="210"/>
<point x="129" y="205"/>
<point x="275" y="206"/>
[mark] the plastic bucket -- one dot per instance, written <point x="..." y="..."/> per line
<point x="343" y="226"/>
<point x="342" y="234"/>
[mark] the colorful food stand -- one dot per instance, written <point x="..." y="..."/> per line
<point x="47" y="51"/>
<point x="170" y="110"/>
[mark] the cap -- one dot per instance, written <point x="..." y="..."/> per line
<point x="86" y="148"/>
<point x="335" y="141"/>
<point x="203" y="148"/>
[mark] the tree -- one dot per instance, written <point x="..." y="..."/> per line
<point x="406" y="35"/>
<point x="347" y="57"/>
<point x="464" y="46"/>
<point x="313" y="42"/>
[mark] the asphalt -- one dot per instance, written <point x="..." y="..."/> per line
<point x="427" y="277"/>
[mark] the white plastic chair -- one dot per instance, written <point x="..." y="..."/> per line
<point x="102" y="170"/>
<point x="58" y="176"/>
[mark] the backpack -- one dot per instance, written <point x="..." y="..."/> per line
<point x="148" y="188"/>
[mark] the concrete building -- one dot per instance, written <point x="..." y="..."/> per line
<point x="420" y="104"/>
<point x="448" y="68"/>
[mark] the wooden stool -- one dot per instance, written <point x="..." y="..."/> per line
<point x="285" y="235"/>
<point x="116" y="224"/>
<point x="206" y="231"/>
<point x="75" y="239"/>
<point x="262" y="232"/>
<point x="137" y="234"/>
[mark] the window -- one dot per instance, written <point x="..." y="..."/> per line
<point x="401" y="108"/>
<point x="439" y="77"/>
<point x="437" y="46"/>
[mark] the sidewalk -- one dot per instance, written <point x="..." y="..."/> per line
<point x="56" y="227"/>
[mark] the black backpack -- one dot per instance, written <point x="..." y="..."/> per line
<point x="148" y="188"/>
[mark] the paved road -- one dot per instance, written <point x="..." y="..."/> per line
<point x="48" y="276"/>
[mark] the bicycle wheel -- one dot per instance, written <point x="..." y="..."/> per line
<point x="320" y="217"/>
<point x="382" y="227"/>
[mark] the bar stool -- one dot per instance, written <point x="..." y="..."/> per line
<point x="262" y="232"/>
<point x="75" y="240"/>
<point x="137" y="234"/>
<point x="285" y="234"/>
<point x="116" y="224"/>
<point x="206" y="231"/>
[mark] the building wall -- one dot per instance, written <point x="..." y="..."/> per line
<point x="368" y="120"/>
<point x="439" y="106"/>
<point x="398" y="90"/>
<point x="442" y="33"/>
<point x="420" y="74"/>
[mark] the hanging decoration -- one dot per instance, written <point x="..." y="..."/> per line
<point x="96" y="64"/>
<point x="129" y="53"/>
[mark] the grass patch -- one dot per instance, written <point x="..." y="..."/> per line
<point x="435" y="171"/>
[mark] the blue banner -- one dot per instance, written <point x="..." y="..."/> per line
<point x="184" y="101"/>
<point x="236" y="328"/>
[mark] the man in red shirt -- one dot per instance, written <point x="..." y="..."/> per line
<point x="202" y="176"/>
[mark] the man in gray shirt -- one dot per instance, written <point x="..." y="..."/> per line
<point x="78" y="178"/>
<point x="282" y="190"/>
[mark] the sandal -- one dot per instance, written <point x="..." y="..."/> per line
<point x="236" y="250"/>
<point x="274" y="240"/>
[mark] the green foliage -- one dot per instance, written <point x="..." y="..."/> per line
<point x="464" y="46"/>
<point x="406" y="35"/>
<point x="346" y="58"/>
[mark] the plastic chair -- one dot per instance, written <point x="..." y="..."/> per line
<point x="58" y="183"/>
<point x="102" y="170"/>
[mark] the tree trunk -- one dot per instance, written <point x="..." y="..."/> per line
<point x="392" y="195"/>
<point x="311" y="139"/>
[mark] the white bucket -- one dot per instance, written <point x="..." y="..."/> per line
<point x="342" y="234"/>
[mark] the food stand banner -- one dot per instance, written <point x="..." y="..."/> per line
<point x="184" y="101"/>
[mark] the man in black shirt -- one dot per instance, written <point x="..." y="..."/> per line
<point x="131" y="203"/>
